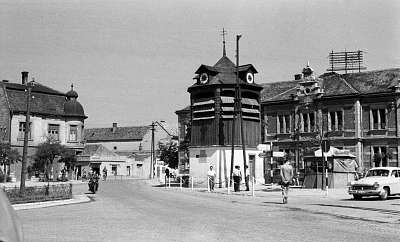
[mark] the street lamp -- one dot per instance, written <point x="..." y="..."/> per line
<point x="29" y="86"/>
<point x="153" y="153"/>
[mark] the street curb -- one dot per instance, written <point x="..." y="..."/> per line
<point x="75" y="200"/>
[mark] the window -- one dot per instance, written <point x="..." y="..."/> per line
<point x="21" y="131"/>
<point x="307" y="122"/>
<point x="380" y="156"/>
<point x="53" y="131"/>
<point x="114" y="169"/>
<point x="378" y="118"/>
<point x="73" y="133"/>
<point x="284" y="124"/>
<point x="335" y="121"/>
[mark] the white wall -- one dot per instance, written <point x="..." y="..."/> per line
<point x="134" y="145"/>
<point x="39" y="129"/>
<point x="220" y="158"/>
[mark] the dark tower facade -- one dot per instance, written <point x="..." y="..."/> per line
<point x="212" y="111"/>
<point x="212" y="105"/>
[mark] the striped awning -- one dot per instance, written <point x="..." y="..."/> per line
<point x="203" y="103"/>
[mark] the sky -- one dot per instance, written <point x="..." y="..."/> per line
<point x="131" y="62"/>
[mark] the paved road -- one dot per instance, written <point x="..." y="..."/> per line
<point x="132" y="210"/>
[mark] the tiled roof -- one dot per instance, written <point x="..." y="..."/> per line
<point x="335" y="84"/>
<point x="45" y="101"/>
<point x="42" y="103"/>
<point x="121" y="133"/>
<point x="224" y="70"/>
<point x="278" y="90"/>
<point x="374" y="81"/>
<point x="38" y="88"/>
<point x="98" y="150"/>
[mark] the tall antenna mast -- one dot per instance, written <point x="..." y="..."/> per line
<point x="223" y="33"/>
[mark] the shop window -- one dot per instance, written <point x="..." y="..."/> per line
<point x="380" y="157"/>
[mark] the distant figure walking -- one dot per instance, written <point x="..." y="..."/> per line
<point x="237" y="177"/>
<point x="211" y="178"/>
<point x="104" y="173"/>
<point x="247" y="178"/>
<point x="166" y="175"/>
<point x="286" y="173"/>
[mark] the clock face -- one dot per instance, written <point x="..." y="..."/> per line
<point x="203" y="78"/>
<point x="250" y="77"/>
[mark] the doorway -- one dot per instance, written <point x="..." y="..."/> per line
<point x="252" y="165"/>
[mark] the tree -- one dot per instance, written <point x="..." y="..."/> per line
<point x="169" y="153"/>
<point x="48" y="151"/>
<point x="8" y="156"/>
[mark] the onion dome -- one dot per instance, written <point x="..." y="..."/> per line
<point x="307" y="71"/>
<point x="72" y="93"/>
<point x="71" y="106"/>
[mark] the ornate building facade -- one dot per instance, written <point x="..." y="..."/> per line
<point x="52" y="114"/>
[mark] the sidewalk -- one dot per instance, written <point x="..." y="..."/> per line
<point x="336" y="202"/>
<point x="75" y="199"/>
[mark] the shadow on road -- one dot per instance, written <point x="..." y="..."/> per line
<point x="272" y="202"/>
<point x="386" y="211"/>
<point x="365" y="199"/>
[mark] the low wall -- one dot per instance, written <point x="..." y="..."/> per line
<point x="39" y="193"/>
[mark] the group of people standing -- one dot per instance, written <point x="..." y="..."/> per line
<point x="236" y="176"/>
<point x="286" y="174"/>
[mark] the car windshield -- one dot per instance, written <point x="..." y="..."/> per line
<point x="378" y="172"/>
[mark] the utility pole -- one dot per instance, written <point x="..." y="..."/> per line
<point x="29" y="86"/>
<point x="239" y="99"/>
<point x="235" y="107"/>
<point x="152" y="151"/>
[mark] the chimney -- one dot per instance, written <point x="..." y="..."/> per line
<point x="298" y="76"/>
<point x="114" y="127"/>
<point x="24" y="77"/>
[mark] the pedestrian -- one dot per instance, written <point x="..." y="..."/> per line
<point x="211" y="178"/>
<point x="237" y="177"/>
<point x="247" y="178"/>
<point x="104" y="173"/>
<point x="166" y="175"/>
<point x="286" y="173"/>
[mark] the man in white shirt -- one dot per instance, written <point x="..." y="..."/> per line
<point x="237" y="177"/>
<point x="211" y="178"/>
<point x="286" y="173"/>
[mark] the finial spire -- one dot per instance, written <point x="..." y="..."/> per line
<point x="72" y="86"/>
<point x="223" y="33"/>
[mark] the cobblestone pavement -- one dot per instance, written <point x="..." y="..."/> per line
<point x="134" y="210"/>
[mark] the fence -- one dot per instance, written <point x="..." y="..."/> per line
<point x="185" y="180"/>
<point x="39" y="193"/>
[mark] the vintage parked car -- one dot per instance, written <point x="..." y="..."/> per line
<point x="379" y="181"/>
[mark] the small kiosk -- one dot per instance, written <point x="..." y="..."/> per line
<point x="341" y="165"/>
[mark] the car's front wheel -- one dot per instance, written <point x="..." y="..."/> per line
<point x="385" y="194"/>
<point x="357" y="197"/>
